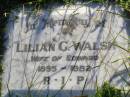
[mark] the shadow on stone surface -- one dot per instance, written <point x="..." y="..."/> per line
<point x="49" y="93"/>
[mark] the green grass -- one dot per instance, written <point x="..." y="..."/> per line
<point x="108" y="91"/>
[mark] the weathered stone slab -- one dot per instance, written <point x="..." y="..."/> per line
<point x="65" y="51"/>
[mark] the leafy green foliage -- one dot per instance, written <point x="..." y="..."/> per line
<point x="124" y="3"/>
<point x="108" y="91"/>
